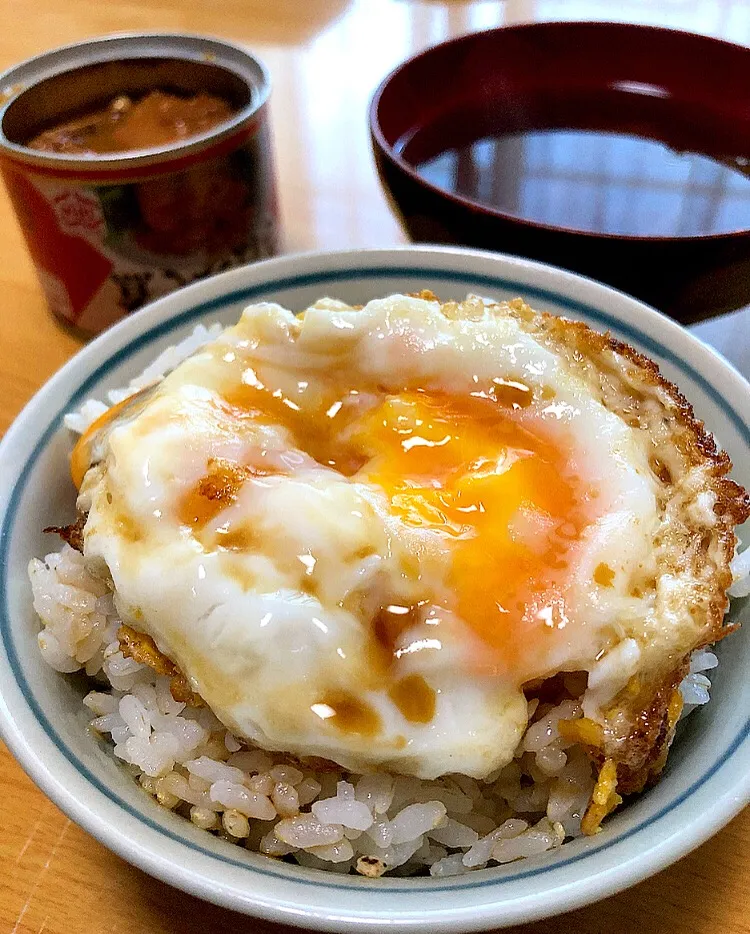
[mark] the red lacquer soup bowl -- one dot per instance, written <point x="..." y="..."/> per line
<point x="621" y="152"/>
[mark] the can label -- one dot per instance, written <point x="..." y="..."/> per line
<point x="104" y="248"/>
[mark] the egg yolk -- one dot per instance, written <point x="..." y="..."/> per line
<point x="464" y="467"/>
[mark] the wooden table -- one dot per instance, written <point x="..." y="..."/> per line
<point x="326" y="57"/>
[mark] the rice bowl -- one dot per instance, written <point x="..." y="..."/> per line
<point x="440" y="771"/>
<point x="402" y="800"/>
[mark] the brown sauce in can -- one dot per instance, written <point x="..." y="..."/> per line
<point x="158" y="119"/>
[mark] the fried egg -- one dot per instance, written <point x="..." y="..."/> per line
<point x="365" y="534"/>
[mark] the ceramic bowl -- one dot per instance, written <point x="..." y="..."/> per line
<point x="707" y="780"/>
<point x="610" y="77"/>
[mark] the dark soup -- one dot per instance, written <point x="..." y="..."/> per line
<point x="603" y="178"/>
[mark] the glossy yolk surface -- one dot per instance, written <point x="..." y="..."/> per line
<point x="465" y="468"/>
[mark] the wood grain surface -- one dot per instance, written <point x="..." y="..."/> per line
<point x="326" y="57"/>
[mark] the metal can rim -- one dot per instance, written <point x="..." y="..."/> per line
<point x="134" y="45"/>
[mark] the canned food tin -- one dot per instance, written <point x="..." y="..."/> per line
<point x="109" y="232"/>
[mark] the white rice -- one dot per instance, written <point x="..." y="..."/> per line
<point x="696" y="685"/>
<point x="370" y="824"/>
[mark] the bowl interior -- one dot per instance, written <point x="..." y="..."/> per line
<point x="43" y="721"/>
<point x="592" y="77"/>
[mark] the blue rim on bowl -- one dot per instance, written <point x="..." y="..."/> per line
<point x="700" y="792"/>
